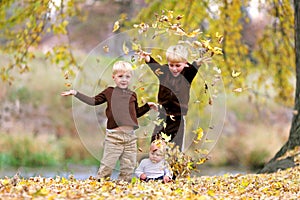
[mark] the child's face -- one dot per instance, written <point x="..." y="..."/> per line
<point x="155" y="154"/>
<point x="122" y="79"/>
<point x="176" y="67"/>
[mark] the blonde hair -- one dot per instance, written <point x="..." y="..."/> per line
<point x="177" y="53"/>
<point x="122" y="66"/>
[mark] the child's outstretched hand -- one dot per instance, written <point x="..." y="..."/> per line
<point x="68" y="93"/>
<point x="203" y="60"/>
<point x="143" y="177"/>
<point x="166" y="179"/>
<point x="144" y="55"/>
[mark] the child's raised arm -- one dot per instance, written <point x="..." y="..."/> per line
<point x="68" y="93"/>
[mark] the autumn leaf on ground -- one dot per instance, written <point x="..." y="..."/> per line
<point x="283" y="184"/>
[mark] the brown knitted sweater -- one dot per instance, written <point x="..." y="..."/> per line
<point x="174" y="92"/>
<point x="122" y="107"/>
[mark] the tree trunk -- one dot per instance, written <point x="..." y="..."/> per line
<point x="294" y="138"/>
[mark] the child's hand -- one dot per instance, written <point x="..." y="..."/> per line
<point x="203" y="60"/>
<point x="166" y="179"/>
<point x="153" y="106"/>
<point x="68" y="93"/>
<point x="144" y="55"/>
<point x="143" y="176"/>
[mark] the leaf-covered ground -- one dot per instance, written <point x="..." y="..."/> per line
<point x="281" y="185"/>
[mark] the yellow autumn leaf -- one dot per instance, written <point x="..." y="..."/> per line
<point x="106" y="48"/>
<point x="125" y="48"/>
<point x="235" y="74"/>
<point x="159" y="57"/>
<point x="194" y="33"/>
<point x="166" y="137"/>
<point x="116" y="26"/>
<point x="172" y="117"/>
<point x="217" y="51"/>
<point x="238" y="90"/>
<point x="158" y="72"/>
<point x="199" y="133"/>
<point x="135" y="46"/>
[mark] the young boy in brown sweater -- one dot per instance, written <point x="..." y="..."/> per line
<point x="175" y="80"/>
<point x="122" y="112"/>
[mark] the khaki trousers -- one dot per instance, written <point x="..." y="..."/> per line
<point x="118" y="145"/>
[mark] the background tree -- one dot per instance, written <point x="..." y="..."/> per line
<point x="288" y="155"/>
<point x="24" y="24"/>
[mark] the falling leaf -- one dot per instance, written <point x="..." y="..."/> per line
<point x="206" y="44"/>
<point x="170" y="14"/>
<point x="210" y="101"/>
<point x="194" y="33"/>
<point x="140" y="149"/>
<point x="106" y="49"/>
<point x="221" y="40"/>
<point x="135" y="46"/>
<point x="201" y="151"/>
<point x="132" y="59"/>
<point x="217" y="51"/>
<point x="235" y="74"/>
<point x="66" y="75"/>
<point x="158" y="72"/>
<point x="196" y="44"/>
<point x="159" y="57"/>
<point x="205" y="86"/>
<point x="218" y="70"/>
<point x="179" y="17"/>
<point x="116" y="26"/>
<point x="172" y="117"/>
<point x="201" y="161"/>
<point x="199" y="133"/>
<point x="125" y="48"/>
<point x="239" y="89"/>
<point x="166" y="137"/>
<point x="219" y="37"/>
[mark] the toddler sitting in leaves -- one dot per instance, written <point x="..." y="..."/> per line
<point x="155" y="167"/>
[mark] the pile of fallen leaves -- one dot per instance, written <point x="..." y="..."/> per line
<point x="280" y="185"/>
